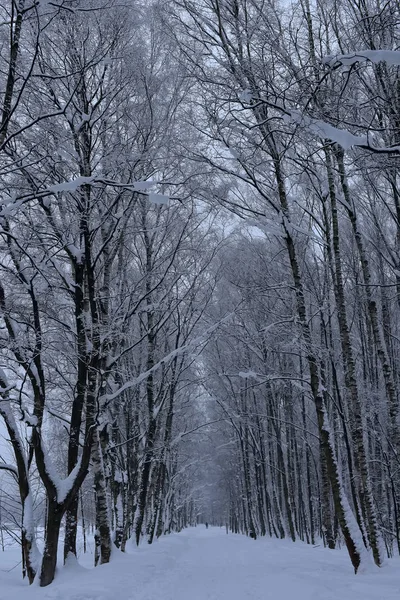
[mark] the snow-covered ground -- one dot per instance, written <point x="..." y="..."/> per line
<point x="207" y="564"/>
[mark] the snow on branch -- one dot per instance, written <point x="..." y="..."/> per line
<point x="10" y="468"/>
<point x="324" y="130"/>
<point x="159" y="199"/>
<point x="344" y="138"/>
<point x="390" y="57"/>
<point x="71" y="186"/>
<point x="251" y="375"/>
<point x="137" y="186"/>
<point x="185" y="349"/>
<point x="62" y="486"/>
<point x="10" y="208"/>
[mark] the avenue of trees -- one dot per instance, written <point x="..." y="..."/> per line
<point x="200" y="272"/>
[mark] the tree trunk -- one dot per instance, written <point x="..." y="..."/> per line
<point x="71" y="526"/>
<point x="364" y="501"/>
<point x="71" y="519"/>
<point x="49" y="562"/>
<point x="342" y="509"/>
<point x="144" y="481"/>
<point x="103" y="533"/>
<point x="30" y="551"/>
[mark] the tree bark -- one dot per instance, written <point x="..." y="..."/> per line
<point x="103" y="532"/>
<point x="49" y="562"/>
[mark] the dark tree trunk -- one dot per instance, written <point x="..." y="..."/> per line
<point x="49" y="562"/>
<point x="71" y="523"/>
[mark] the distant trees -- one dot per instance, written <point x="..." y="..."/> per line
<point x="276" y="114"/>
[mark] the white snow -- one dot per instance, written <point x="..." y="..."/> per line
<point x="208" y="564"/>
<point x="245" y="96"/>
<point x="390" y="57"/>
<point x="9" y="467"/>
<point x="324" y="130"/>
<point x="235" y="155"/>
<point x="29" y="525"/>
<point x="249" y="375"/>
<point x="141" y="186"/>
<point x="185" y="349"/>
<point x="159" y="199"/>
<point x="76" y="252"/>
<point x="70" y="186"/>
<point x="9" y="209"/>
<point x="63" y="486"/>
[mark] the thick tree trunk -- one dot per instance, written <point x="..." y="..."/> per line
<point x="49" y="562"/>
<point x="117" y="492"/>
<point x="28" y="541"/>
<point x="71" y="527"/>
<point x="29" y="549"/>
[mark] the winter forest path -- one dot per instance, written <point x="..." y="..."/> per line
<point x="207" y="564"/>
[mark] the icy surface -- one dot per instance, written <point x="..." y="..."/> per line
<point x="208" y="564"/>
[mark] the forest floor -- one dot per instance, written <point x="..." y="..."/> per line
<point x="207" y="564"/>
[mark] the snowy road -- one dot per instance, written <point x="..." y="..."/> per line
<point x="200" y="564"/>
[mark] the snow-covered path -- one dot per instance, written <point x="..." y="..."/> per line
<point x="200" y="564"/>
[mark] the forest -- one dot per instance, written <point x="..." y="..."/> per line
<point x="199" y="273"/>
